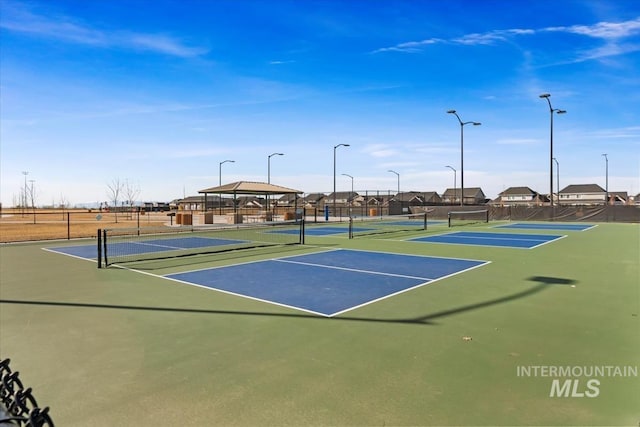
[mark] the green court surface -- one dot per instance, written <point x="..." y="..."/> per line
<point x="115" y="347"/>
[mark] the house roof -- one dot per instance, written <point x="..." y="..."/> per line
<point x="315" y="197"/>
<point x="583" y="188"/>
<point x="468" y="192"/>
<point x="518" y="191"/>
<point x="248" y="187"/>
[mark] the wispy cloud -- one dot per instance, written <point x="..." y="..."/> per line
<point x="603" y="30"/>
<point x="610" y="32"/>
<point x="18" y="18"/>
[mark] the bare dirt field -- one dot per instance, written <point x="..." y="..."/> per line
<point x="19" y="226"/>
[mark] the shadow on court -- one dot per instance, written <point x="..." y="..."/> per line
<point x="543" y="283"/>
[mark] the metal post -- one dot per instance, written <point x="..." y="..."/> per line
<point x="454" y="182"/>
<point x="606" y="200"/>
<point x="220" y="182"/>
<point x="551" y="111"/>
<point x="334" y="174"/>
<point x="557" y="179"/>
<point x="462" y="124"/>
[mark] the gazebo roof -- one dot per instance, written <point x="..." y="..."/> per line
<point x="248" y="187"/>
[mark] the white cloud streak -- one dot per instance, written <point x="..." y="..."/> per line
<point x="610" y="32"/>
<point x="16" y="18"/>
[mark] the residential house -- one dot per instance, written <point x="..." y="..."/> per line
<point x="618" y="198"/>
<point x="472" y="196"/>
<point x="344" y="198"/>
<point x="583" y="194"/>
<point x="521" y="196"/>
<point x="315" y="200"/>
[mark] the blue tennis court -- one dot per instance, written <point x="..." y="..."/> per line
<point x="504" y="240"/>
<point x="146" y="246"/>
<point x="548" y="226"/>
<point x="327" y="283"/>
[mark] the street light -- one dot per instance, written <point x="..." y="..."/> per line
<point x="220" y="181"/>
<point x="24" y="193"/>
<point x="606" y="159"/>
<point x="398" y="180"/>
<point x="454" y="182"/>
<point x="269" y="166"/>
<point x="462" y="151"/>
<point x="551" y="111"/>
<point x="351" y="201"/>
<point x="557" y="178"/>
<point x="269" y="174"/>
<point x="334" y="174"/>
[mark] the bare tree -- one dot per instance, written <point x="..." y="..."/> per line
<point x="63" y="203"/>
<point x="131" y="192"/>
<point x="31" y="193"/>
<point x="114" y="191"/>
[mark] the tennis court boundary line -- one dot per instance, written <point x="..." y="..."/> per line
<point x="51" y="250"/>
<point x="411" y="288"/>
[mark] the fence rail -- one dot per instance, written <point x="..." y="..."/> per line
<point x="19" y="226"/>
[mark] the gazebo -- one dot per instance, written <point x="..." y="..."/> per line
<point x="249" y="188"/>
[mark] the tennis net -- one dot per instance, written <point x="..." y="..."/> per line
<point x="368" y="225"/>
<point x="467" y="217"/>
<point x="121" y="245"/>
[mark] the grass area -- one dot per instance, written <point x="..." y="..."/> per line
<point x="116" y="347"/>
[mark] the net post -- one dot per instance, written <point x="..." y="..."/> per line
<point x="104" y="248"/>
<point x="425" y="219"/>
<point x="351" y="227"/>
<point x="99" y="248"/>
<point x="302" y="231"/>
<point x="449" y="218"/>
<point x="487" y="216"/>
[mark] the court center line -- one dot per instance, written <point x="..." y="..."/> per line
<point x="154" y="245"/>
<point x="496" y="238"/>
<point x="355" y="270"/>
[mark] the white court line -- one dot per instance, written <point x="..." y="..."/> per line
<point x="353" y="269"/>
<point x="407" y="289"/>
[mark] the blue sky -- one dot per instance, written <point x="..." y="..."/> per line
<point x="158" y="93"/>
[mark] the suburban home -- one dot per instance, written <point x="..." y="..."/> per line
<point x="472" y="196"/>
<point x="417" y="198"/>
<point x="251" y="202"/>
<point x="521" y="196"/>
<point x="344" y="198"/>
<point x="315" y="200"/>
<point x="290" y="200"/>
<point x="583" y="194"/>
<point x="618" y="198"/>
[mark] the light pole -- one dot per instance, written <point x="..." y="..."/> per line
<point x="220" y="182"/>
<point x="398" y="175"/>
<point x="351" y="201"/>
<point x="334" y="174"/>
<point x="462" y="151"/>
<point x="454" y="183"/>
<point x="551" y="111"/>
<point x="269" y="166"/>
<point x="269" y="175"/>
<point x="24" y="193"/>
<point x="557" y="178"/>
<point x="606" y="159"/>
